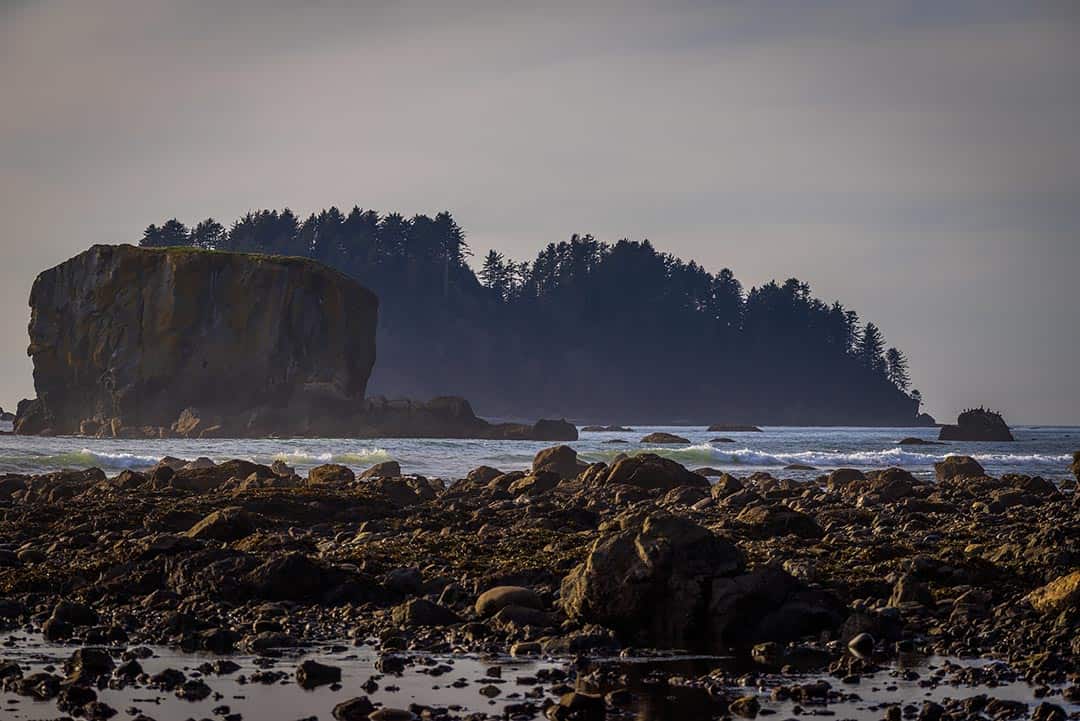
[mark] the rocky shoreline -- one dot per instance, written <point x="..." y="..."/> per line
<point x="838" y="577"/>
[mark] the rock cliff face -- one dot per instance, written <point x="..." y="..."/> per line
<point x="124" y="339"/>
<point x="152" y="342"/>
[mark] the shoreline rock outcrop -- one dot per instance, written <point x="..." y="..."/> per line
<point x="176" y="342"/>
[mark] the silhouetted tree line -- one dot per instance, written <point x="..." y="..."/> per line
<point x="588" y="329"/>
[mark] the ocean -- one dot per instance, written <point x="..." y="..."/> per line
<point x="1038" y="450"/>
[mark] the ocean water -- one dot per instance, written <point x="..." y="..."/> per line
<point x="1038" y="450"/>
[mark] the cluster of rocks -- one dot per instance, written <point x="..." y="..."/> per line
<point x="836" y="575"/>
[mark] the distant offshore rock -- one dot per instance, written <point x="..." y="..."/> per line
<point x="732" y="428"/>
<point x="176" y="342"/>
<point x="977" y="424"/>
<point x="662" y="438"/>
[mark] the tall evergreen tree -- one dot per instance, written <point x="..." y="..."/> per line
<point x="871" y="352"/>
<point x="897" y="368"/>
<point x="207" y="235"/>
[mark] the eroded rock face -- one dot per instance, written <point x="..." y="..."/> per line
<point x="126" y="339"/>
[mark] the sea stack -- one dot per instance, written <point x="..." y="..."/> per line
<point x="126" y="340"/>
<point x="977" y="424"/>
<point x="180" y="342"/>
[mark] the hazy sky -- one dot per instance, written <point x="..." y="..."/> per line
<point x="919" y="161"/>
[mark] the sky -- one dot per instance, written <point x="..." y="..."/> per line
<point x="918" y="161"/>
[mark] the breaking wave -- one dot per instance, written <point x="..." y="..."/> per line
<point x="363" y="456"/>
<point x="705" y="453"/>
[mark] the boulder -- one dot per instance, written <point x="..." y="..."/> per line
<point x="330" y="473"/>
<point x="534" y="484"/>
<point x="769" y="521"/>
<point x="386" y="469"/>
<point x="312" y="674"/>
<point x="650" y="581"/>
<point x="1056" y="596"/>
<point x="661" y="438"/>
<point x="977" y="424"/>
<point x="495" y="599"/>
<point x="842" y="477"/>
<point x="203" y="478"/>
<point x="650" y="472"/>
<point x="1075" y="467"/>
<point x="725" y="485"/>
<point x="561" y="460"/>
<point x="958" y="467"/>
<point x="421" y="612"/>
<point x="355" y="709"/>
<point x="228" y="524"/>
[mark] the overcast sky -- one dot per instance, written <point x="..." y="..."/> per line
<point x="919" y="161"/>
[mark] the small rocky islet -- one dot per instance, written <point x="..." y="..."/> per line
<point x="810" y="589"/>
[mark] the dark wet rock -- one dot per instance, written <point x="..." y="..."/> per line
<point x="293" y="577"/>
<point x="312" y="674"/>
<point x="75" y="697"/>
<point x="977" y="424"/>
<point x="1047" y="711"/>
<point x="392" y="714"/>
<point x="330" y="473"/>
<point x="228" y="524"/>
<point x="661" y="438"/>
<point x="421" y="612"/>
<point x="650" y="472"/>
<point x="86" y="664"/>
<point x="560" y="460"/>
<point x="1075" y="467"/>
<point x="913" y="441"/>
<point x="958" y="467"/>
<point x="405" y="581"/>
<point x="769" y="521"/>
<point x="495" y="599"/>
<point x="77" y="614"/>
<point x="386" y="469"/>
<point x="650" y="579"/>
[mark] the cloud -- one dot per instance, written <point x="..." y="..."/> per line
<point x="901" y="156"/>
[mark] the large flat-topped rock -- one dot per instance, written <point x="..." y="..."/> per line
<point x="124" y="339"/>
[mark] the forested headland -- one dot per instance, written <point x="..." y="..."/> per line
<point x="590" y="330"/>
